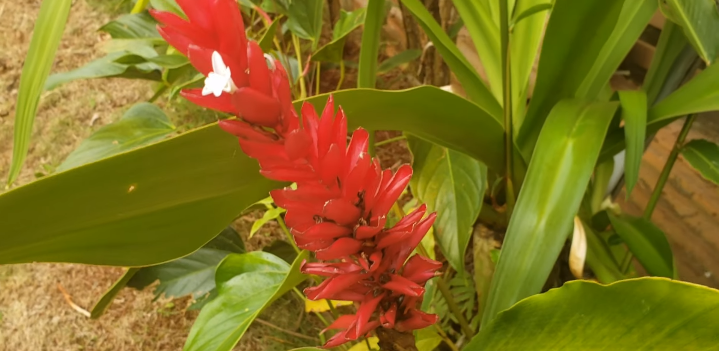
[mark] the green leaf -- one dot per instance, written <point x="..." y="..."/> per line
<point x="529" y="12"/>
<point x="45" y="39"/>
<point x="671" y="44"/>
<point x="112" y="65"/>
<point x="144" y="47"/>
<point x="401" y="58"/>
<point x="637" y="314"/>
<point x="699" y="20"/>
<point x="458" y="64"/>
<point x="648" y="243"/>
<point x="427" y="112"/>
<point x="524" y="45"/>
<point x="138" y="208"/>
<point x="634" y="114"/>
<point x="568" y="56"/>
<point x="553" y="189"/>
<point x="169" y="61"/>
<point x="305" y="19"/>
<point x="138" y="25"/>
<point x="333" y="51"/>
<point x="101" y="306"/>
<point x="703" y="155"/>
<point x="600" y="258"/>
<point x="269" y="215"/>
<point x="282" y="249"/>
<point x="168" y="6"/>
<point x="477" y="17"/>
<point x="701" y="94"/>
<point x="246" y="284"/>
<point x="427" y="339"/>
<point x="632" y="20"/>
<point x="142" y="124"/>
<point x="369" y="51"/>
<point x="453" y="185"/>
<point x="266" y="40"/>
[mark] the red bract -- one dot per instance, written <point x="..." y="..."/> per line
<point x="339" y="207"/>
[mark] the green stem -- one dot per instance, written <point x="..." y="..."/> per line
<point x="446" y="338"/>
<point x="444" y="289"/>
<point x="317" y="83"/>
<point x="390" y="140"/>
<point x="507" y="104"/>
<point x="342" y="74"/>
<point x="140" y="6"/>
<point x="371" y="146"/>
<point x="332" y="309"/>
<point x="281" y="222"/>
<point x="298" y="53"/>
<point x="160" y="90"/>
<point x="663" y="177"/>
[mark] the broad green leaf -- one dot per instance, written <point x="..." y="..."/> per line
<point x="477" y="17"/>
<point x="520" y="15"/>
<point x="703" y="155"/>
<point x="630" y="24"/>
<point x="190" y="275"/>
<point x="458" y="64"/>
<point x="142" y="124"/>
<point x="568" y="56"/>
<point x="112" y="65"/>
<point x="671" y="44"/>
<point x="138" y="25"/>
<point x="648" y="244"/>
<point x="305" y="19"/>
<point x="600" y="259"/>
<point x="699" y="20"/>
<point x="282" y="249"/>
<point x="634" y="114"/>
<point x="427" y="112"/>
<point x="169" y="61"/>
<point x="401" y="58"/>
<point x="138" y="208"/>
<point x="46" y="37"/>
<point x="636" y="314"/>
<point x="110" y="294"/>
<point x="451" y="184"/>
<point x="266" y="40"/>
<point x="369" y="51"/>
<point x="246" y="284"/>
<point x="348" y="21"/>
<point x="275" y="6"/>
<point x="427" y="339"/>
<point x="144" y="47"/>
<point x="701" y="94"/>
<point x="553" y="189"/>
<point x="524" y="45"/>
<point x="269" y="215"/>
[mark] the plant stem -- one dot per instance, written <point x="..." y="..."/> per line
<point x="663" y="177"/>
<point x="288" y="332"/>
<point x="371" y="146"/>
<point x="507" y="104"/>
<point x="298" y="53"/>
<point x="390" y="140"/>
<point x="140" y="6"/>
<point x="446" y="338"/>
<point x="466" y="329"/>
<point x="281" y="222"/>
<point x="342" y="74"/>
<point x="317" y="83"/>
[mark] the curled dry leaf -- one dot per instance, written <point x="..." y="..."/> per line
<point x="578" y="250"/>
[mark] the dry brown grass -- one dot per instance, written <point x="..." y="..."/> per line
<point x="33" y="313"/>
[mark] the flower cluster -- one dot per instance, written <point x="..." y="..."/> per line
<point x="339" y="208"/>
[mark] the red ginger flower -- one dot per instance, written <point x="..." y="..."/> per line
<point x="339" y="208"/>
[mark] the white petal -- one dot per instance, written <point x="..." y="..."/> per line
<point x="217" y="64"/>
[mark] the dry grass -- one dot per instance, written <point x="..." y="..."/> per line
<point x="33" y="313"/>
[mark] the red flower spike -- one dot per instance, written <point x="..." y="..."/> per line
<point x="340" y="204"/>
<point x="336" y="340"/>
<point x="343" y="322"/>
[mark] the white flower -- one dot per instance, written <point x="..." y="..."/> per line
<point x="220" y="79"/>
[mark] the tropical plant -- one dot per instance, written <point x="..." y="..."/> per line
<point x="487" y="164"/>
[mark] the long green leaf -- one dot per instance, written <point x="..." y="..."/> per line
<point x="333" y="51"/>
<point x="701" y="94"/>
<point x="138" y="25"/>
<point x="648" y="243"/>
<point x="142" y="124"/>
<point x="703" y="155"/>
<point x="139" y="208"/>
<point x="634" y="114"/>
<point x="427" y="112"/>
<point x="246" y="284"/>
<point x="568" y="56"/>
<point x="453" y="185"/>
<point x="524" y="46"/>
<point x="467" y="76"/>
<point x="637" y="314"/>
<point x="45" y="39"/>
<point x="477" y="17"/>
<point x="110" y="294"/>
<point x="367" y="71"/>
<point x="632" y="21"/>
<point x="671" y="44"/>
<point x="111" y="66"/>
<point x="557" y="177"/>
<point x="398" y="60"/>
<point x="699" y="20"/>
<point x="600" y="258"/>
